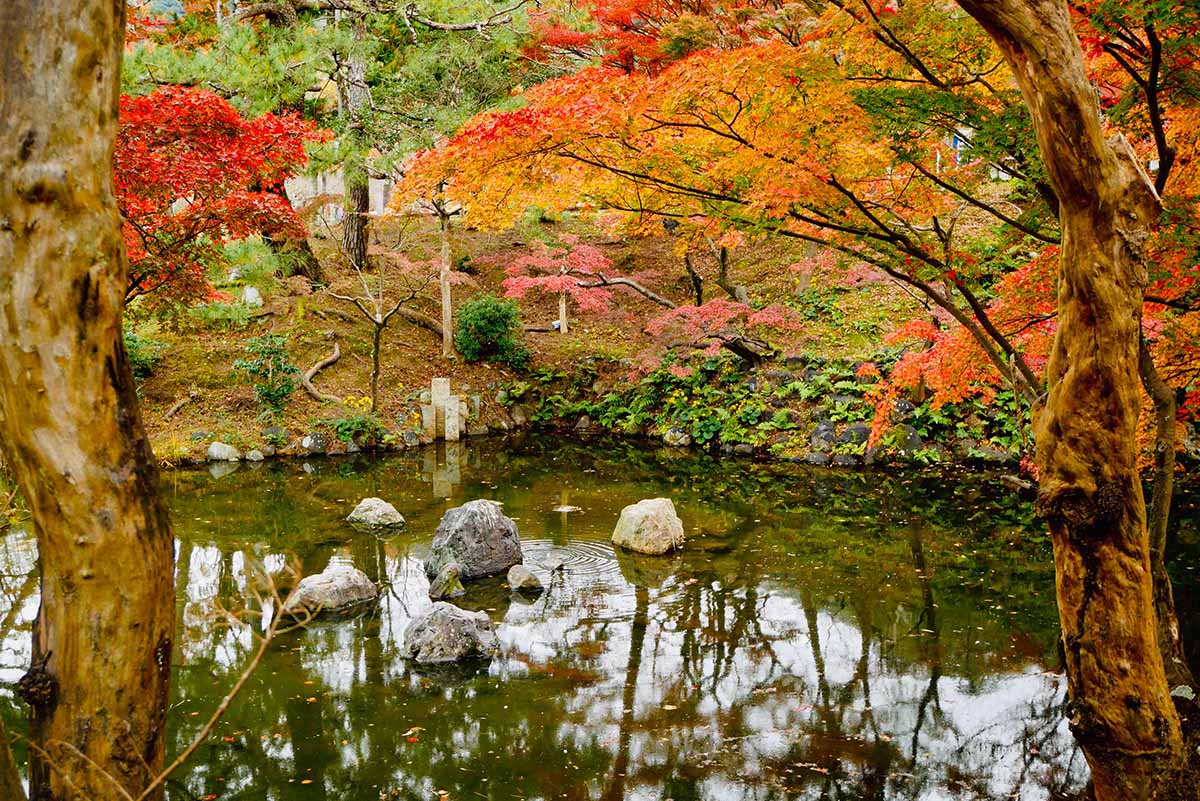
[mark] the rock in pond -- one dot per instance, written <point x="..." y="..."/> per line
<point x="339" y="588"/>
<point x="375" y="514"/>
<point x="445" y="633"/>
<point x="522" y="579"/>
<point x="220" y="452"/>
<point x="477" y="536"/>
<point x="447" y="583"/>
<point x="650" y="526"/>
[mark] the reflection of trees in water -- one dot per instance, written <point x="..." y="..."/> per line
<point x="816" y="640"/>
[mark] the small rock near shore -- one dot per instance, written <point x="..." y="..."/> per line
<point x="677" y="438"/>
<point x="220" y="452"/>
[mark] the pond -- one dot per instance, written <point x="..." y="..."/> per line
<point x="822" y="635"/>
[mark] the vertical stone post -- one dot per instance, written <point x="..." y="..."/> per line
<point x="439" y="397"/>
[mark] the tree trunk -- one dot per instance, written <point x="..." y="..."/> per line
<point x="296" y="251"/>
<point x="376" y="344"/>
<point x="11" y="788"/>
<point x="562" y="313"/>
<point x="1091" y="493"/>
<point x="444" y="283"/>
<point x="355" y="96"/>
<point x="69" y="420"/>
<point x="354" y="224"/>
<point x="1170" y="642"/>
<point x="695" y="278"/>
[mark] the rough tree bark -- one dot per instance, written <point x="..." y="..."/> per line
<point x="1170" y="640"/>
<point x="1091" y="493"/>
<point x="69" y="419"/>
<point x="355" y="97"/>
<point x="10" y="780"/>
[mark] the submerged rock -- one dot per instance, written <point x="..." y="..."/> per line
<point x="522" y="579"/>
<point x="447" y="583"/>
<point x="375" y="514"/>
<point x="338" y="588"/>
<point x="445" y="633"/>
<point x="477" y="536"/>
<point x="650" y="526"/>
<point x="220" y="452"/>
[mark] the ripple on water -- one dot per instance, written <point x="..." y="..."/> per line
<point x="590" y="559"/>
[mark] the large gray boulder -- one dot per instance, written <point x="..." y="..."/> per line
<point x="650" y="526"/>
<point x="445" y="633"/>
<point x="477" y="536"/>
<point x="338" y="588"/>
<point x="375" y="514"/>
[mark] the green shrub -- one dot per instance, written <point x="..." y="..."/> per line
<point x="270" y="371"/>
<point x="143" y="353"/>
<point x="489" y="329"/>
<point x="221" y="315"/>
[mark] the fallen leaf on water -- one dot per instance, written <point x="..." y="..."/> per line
<point x="670" y="707"/>
<point x="412" y="731"/>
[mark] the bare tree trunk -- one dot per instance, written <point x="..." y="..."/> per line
<point x="695" y="278"/>
<point x="562" y="313"/>
<point x="69" y="420"/>
<point x="444" y="283"/>
<point x="735" y="291"/>
<point x="1091" y="493"/>
<point x="1170" y="642"/>
<point x="376" y="344"/>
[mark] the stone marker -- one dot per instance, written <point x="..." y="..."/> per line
<point x="439" y="395"/>
<point x="450" y="431"/>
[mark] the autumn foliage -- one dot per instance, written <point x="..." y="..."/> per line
<point x="190" y="173"/>
<point x="888" y="134"/>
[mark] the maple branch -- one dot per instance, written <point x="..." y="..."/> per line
<point x="992" y="210"/>
<point x="634" y="285"/>
<point x="986" y="321"/>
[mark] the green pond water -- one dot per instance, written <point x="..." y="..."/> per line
<point x="844" y="635"/>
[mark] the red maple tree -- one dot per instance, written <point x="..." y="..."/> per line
<point x="191" y="173"/>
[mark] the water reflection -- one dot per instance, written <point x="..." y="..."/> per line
<point x="821" y="636"/>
